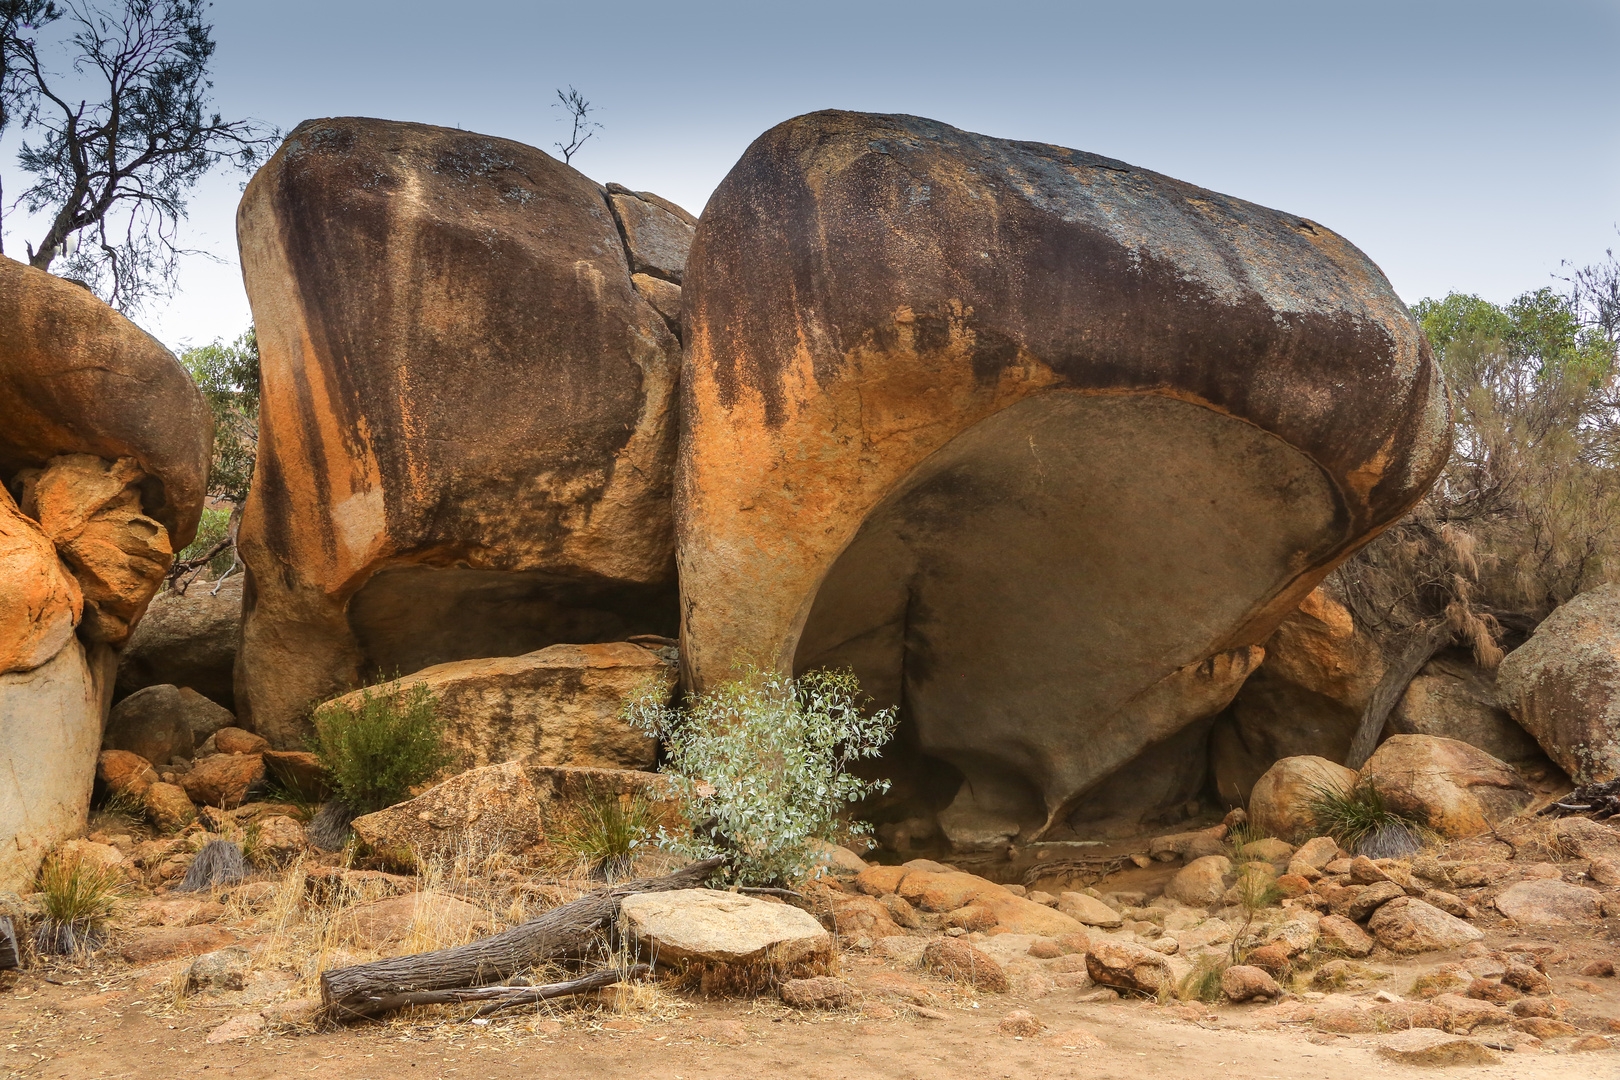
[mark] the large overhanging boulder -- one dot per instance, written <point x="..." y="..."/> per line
<point x="467" y="428"/>
<point x="104" y="450"/>
<point x="1042" y="444"/>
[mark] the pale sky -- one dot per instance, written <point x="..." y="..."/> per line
<point x="1464" y="146"/>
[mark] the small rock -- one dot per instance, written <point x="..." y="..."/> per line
<point x="243" y="1026"/>
<point x="1045" y="899"/>
<point x="1244" y="982"/>
<point x="169" y="807"/>
<point x="1359" y="904"/>
<point x="1548" y="902"/>
<point x="223" y="779"/>
<point x="1045" y="949"/>
<point x="1448" y="903"/>
<point x="1545" y="1027"/>
<point x="1270" y="849"/>
<point x="1526" y="978"/>
<point x="1091" y="912"/>
<point x="1201" y="882"/>
<point x="1536" y="1007"/>
<point x="281" y="839"/>
<point x="222" y="969"/>
<point x="234" y="740"/>
<point x="1363" y="871"/>
<point x="1129" y="966"/>
<point x="1272" y="959"/>
<point x="1317" y="852"/>
<point x="1408" y="925"/>
<point x="1339" y="934"/>
<point x="1599" y="969"/>
<point x="1492" y="991"/>
<point x="1466" y="1014"/>
<point x="1425" y="1046"/>
<point x="126" y="772"/>
<point x="901" y="911"/>
<point x="878" y="880"/>
<point x="1591" y="1042"/>
<point x="961" y="962"/>
<point x="1020" y="1024"/>
<point x="821" y="992"/>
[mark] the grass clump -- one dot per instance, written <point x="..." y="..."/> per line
<point x="376" y="750"/>
<point x="759" y="767"/>
<point x="1203" y="982"/>
<point x="79" y="896"/>
<point x="1362" y="822"/>
<point x="606" y="831"/>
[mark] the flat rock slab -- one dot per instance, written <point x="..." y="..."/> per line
<point x="173" y="943"/>
<point x="705" y="925"/>
<point x="1426" y="1046"/>
<point x="1550" y="902"/>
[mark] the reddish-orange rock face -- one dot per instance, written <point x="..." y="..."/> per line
<point x="1042" y="444"/>
<point x="467" y="428"/>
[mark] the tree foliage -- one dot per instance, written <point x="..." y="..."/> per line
<point x="117" y="138"/>
<point x="1527" y="511"/>
<point x="228" y="376"/>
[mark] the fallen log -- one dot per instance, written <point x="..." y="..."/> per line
<point x="563" y="931"/>
<point x="499" y="997"/>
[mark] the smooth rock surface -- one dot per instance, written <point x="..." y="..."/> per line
<point x="721" y="927"/>
<point x="468" y="420"/>
<point x="561" y="705"/>
<point x="187" y="640"/>
<point x="994" y="385"/>
<point x="1455" y="789"/>
<point x="1408" y="925"/>
<point x="1549" y="902"/>
<point x="1280" y="801"/>
<point x="1563" y="685"/>
<point x="489" y="809"/>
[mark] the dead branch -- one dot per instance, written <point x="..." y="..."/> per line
<point x="565" y="930"/>
<point x="498" y="997"/>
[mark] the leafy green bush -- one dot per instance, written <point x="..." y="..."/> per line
<point x="376" y="750"/>
<point x="759" y="764"/>
<point x="1356" y="817"/>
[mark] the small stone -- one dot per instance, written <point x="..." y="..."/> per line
<point x="1317" y="852"/>
<point x="1549" y="902"/>
<point x="1526" y="978"/>
<point x="234" y="740"/>
<point x="1091" y="912"/>
<point x="1492" y="991"/>
<point x="1020" y="1024"/>
<point x="1201" y="882"/>
<point x="1591" y="1042"/>
<point x="1044" y="898"/>
<point x="1408" y="925"/>
<point x="1544" y="1027"/>
<point x="1045" y="949"/>
<point x="243" y="1026"/>
<point x="821" y="992"/>
<point x="880" y="880"/>
<point x="1272" y="959"/>
<point x="1425" y="1046"/>
<point x="961" y="962"/>
<point x="123" y="771"/>
<point x="1244" y="982"/>
<point x="1435" y="983"/>
<point x="1448" y="903"/>
<point x="222" y="969"/>
<point x="1367" y="899"/>
<point x="1338" y="934"/>
<point x="1129" y="966"/>
<point x="1363" y="871"/>
<point x="1599" y="969"/>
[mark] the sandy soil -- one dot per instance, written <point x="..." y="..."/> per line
<point x="129" y="1024"/>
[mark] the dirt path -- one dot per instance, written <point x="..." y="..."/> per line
<point x="134" y="1031"/>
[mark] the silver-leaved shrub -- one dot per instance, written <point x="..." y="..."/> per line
<point x="759" y="766"/>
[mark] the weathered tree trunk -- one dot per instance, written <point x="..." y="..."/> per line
<point x="562" y="931"/>
<point x="1397" y="677"/>
<point x="499" y="997"/>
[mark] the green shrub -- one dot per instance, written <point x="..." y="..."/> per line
<point x="1358" y="816"/>
<point x="376" y="750"/>
<point x="759" y="764"/>
<point x="79" y="897"/>
<point x="605" y="832"/>
<point x="1203" y="982"/>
